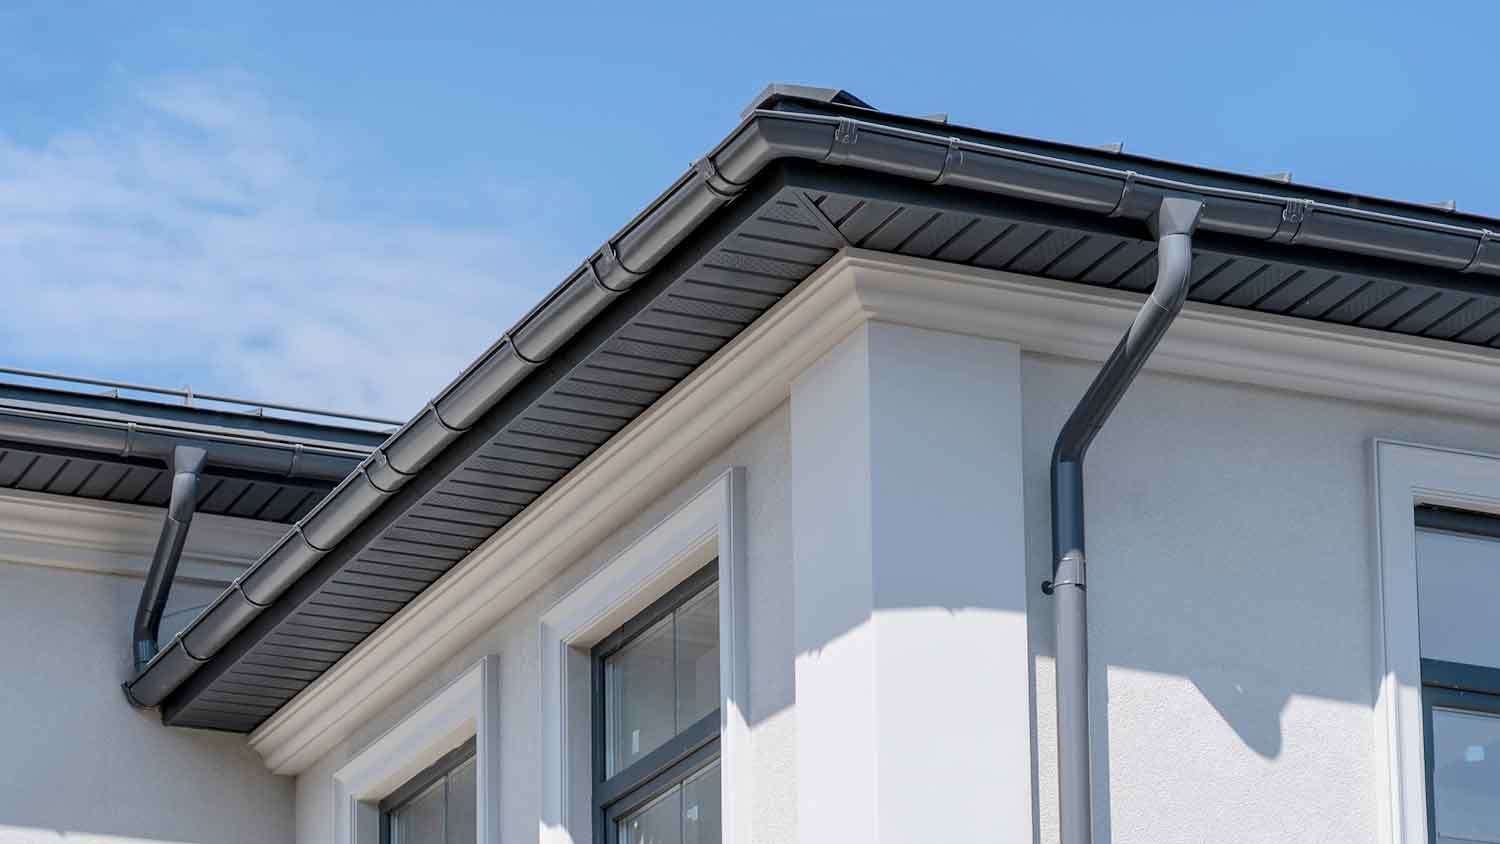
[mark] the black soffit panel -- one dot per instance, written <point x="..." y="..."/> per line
<point x="632" y="354"/>
<point x="720" y="280"/>
<point x="149" y="483"/>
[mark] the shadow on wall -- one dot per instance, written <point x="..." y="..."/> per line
<point x="1230" y="551"/>
<point x="1231" y="569"/>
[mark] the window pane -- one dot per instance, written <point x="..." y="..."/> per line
<point x="697" y="658"/>
<point x="1457" y="579"/>
<point x="462" y="798"/>
<point x="660" y="822"/>
<point x="1466" y="776"/>
<point x="639" y="699"/>
<point x="421" y="820"/>
<point x="701" y="822"/>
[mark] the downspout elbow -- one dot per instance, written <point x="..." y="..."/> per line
<point x="1172" y="224"/>
<point x="187" y="468"/>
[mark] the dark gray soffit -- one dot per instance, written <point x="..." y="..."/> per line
<point x="716" y="278"/>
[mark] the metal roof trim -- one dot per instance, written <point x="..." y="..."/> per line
<point x="764" y="136"/>
<point x="127" y="438"/>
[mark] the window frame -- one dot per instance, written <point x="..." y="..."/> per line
<point x="423" y="780"/>
<point x="1406" y="476"/>
<point x="1454" y="686"/>
<point x="466" y="707"/>
<point x="692" y="749"/>
<point x="709" y="524"/>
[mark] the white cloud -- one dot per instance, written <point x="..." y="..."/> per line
<point x="187" y="235"/>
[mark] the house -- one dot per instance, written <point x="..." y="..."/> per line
<point x="767" y="525"/>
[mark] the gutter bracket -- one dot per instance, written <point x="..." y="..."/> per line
<point x="1485" y="235"/>
<point x="845" y="136"/>
<point x="952" y="160"/>
<point x="1125" y="190"/>
<point x="1293" y="215"/>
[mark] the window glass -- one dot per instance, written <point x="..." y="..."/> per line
<point x="701" y="820"/>
<point x="420" y="821"/>
<point x="657" y="678"/>
<point x="463" y="796"/>
<point x="1457" y="579"/>
<point x="686" y="814"/>
<point x="1466" y="776"/>
<point x="438" y="805"/>
<point x="663" y="681"/>
<point x="660" y="822"/>
<point x="697" y="658"/>
<point x="639" y="679"/>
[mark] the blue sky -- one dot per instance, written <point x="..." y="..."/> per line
<point x="343" y="204"/>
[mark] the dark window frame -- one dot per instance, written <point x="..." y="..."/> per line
<point x="694" y="748"/>
<point x="1457" y="686"/>
<point x="423" y="780"/>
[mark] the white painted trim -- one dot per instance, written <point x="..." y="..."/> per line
<point x="468" y="706"/>
<point x="751" y="375"/>
<point x="709" y="525"/>
<point x="40" y="529"/>
<point x="1077" y="321"/>
<point x="1407" y="475"/>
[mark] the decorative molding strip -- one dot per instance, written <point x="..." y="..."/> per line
<point x="1210" y="341"/>
<point x="469" y="706"/>
<point x="103" y="537"/>
<point x="752" y="375"/>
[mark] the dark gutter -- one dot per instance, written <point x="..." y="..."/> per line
<point x="768" y="133"/>
<point x="120" y="436"/>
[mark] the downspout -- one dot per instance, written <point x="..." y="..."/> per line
<point x="1172" y="224"/>
<point x="187" y="466"/>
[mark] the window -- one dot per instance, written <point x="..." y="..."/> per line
<point x="656" y="721"/>
<point x="1458" y="584"/>
<point x="437" y="806"/>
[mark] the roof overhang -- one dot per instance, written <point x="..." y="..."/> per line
<point x="798" y="182"/>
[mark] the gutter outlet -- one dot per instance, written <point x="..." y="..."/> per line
<point x="187" y="467"/>
<point x="1172" y="224"/>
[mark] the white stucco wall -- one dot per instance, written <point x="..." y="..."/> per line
<point x="763" y="451"/>
<point x="1231" y="605"/>
<point x="1232" y="618"/>
<point x="77" y="762"/>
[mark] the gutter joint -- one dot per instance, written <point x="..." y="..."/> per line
<point x="952" y="160"/>
<point x="508" y="338"/>
<point x="714" y="180"/>
<point x="1484" y="238"/>
<point x="1124" y="194"/>
<point x="611" y="256"/>
<point x="1293" y="214"/>
<point x="845" y="136"/>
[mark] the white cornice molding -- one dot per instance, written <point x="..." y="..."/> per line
<point x="752" y="375"/>
<point x="103" y="537"/>
<point x="1210" y="341"/>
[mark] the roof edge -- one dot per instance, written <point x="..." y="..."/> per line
<point x="763" y="137"/>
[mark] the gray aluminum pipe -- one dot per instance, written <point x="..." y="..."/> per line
<point x="1172" y="224"/>
<point x="187" y="468"/>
